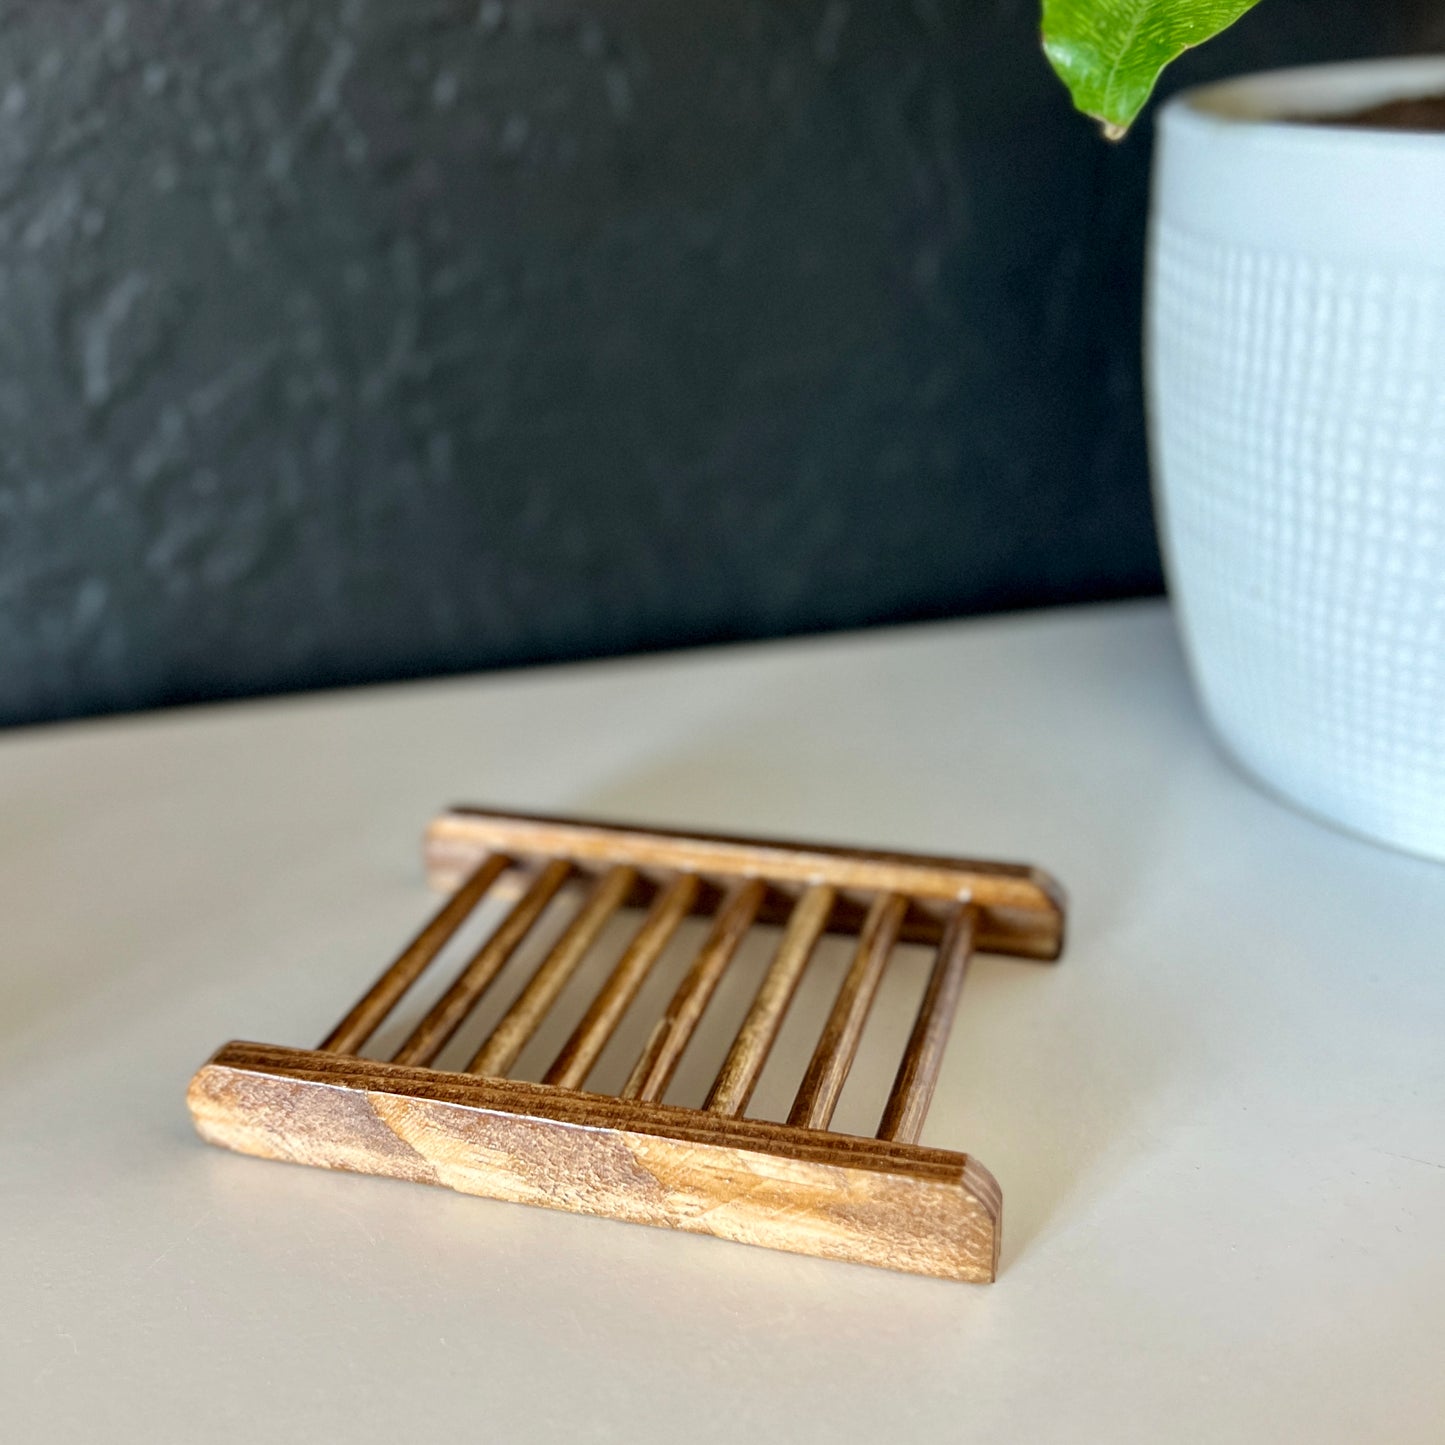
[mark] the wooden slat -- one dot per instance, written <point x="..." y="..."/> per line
<point x="918" y="1072"/>
<point x="659" y="1059"/>
<point x="1021" y="909"/>
<point x="580" y="1052"/>
<point x="366" y="1017"/>
<point x="838" y="1044"/>
<point x="522" y="1020"/>
<point x="922" y="1210"/>
<point x="431" y="1035"/>
<point x="738" y="1076"/>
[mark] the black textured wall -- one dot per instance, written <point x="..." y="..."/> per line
<point x="344" y="340"/>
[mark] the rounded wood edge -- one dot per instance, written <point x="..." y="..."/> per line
<point x="980" y="1183"/>
<point x="211" y="1100"/>
<point x="198" y="1099"/>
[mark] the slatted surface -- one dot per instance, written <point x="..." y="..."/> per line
<point x="654" y="882"/>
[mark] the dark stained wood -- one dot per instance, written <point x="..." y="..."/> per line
<point x="581" y="1051"/>
<point x="659" y="1059"/>
<point x="739" y="1074"/>
<point x="525" y="1016"/>
<point x="366" y="1017"/>
<point x="445" y="1016"/>
<point x="838" y="1045"/>
<point x="918" y="1072"/>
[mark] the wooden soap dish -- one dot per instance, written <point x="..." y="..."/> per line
<point x="796" y="1186"/>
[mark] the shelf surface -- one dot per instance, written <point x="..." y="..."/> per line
<point x="1219" y="1125"/>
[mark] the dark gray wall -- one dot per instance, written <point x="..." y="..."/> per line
<point x="353" y="340"/>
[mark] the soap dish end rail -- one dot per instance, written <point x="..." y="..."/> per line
<point x="902" y="1206"/>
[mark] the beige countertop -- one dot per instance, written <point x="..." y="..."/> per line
<point x="1219" y="1123"/>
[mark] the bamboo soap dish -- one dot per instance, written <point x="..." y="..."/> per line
<point x="798" y="1185"/>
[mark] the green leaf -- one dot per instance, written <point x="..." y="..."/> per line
<point x="1110" y="52"/>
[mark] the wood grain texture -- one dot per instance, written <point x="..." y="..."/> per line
<point x="445" y="1016"/>
<point x="739" y="1074"/>
<point x="598" y="1024"/>
<point x="1020" y="909"/>
<point x="922" y="1061"/>
<point x="516" y="1027"/>
<point x="663" y="1051"/>
<point x="925" y="1211"/>
<point x="366" y="1017"/>
<point x="838" y="1044"/>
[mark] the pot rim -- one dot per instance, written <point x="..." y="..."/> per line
<point x="1231" y="165"/>
<point x="1272" y="102"/>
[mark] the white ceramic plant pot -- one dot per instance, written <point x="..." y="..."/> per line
<point x="1296" y="367"/>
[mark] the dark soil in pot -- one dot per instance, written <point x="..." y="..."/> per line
<point x="1420" y="113"/>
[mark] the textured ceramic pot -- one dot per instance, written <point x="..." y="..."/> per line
<point x="1296" y="367"/>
